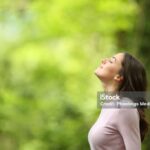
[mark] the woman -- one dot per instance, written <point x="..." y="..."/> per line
<point x="120" y="129"/>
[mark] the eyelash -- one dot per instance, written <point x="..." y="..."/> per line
<point x="110" y="61"/>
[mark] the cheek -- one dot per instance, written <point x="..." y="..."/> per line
<point x="111" y="70"/>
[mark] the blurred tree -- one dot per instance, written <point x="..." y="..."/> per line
<point x="144" y="32"/>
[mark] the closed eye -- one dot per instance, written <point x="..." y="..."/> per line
<point x="110" y="61"/>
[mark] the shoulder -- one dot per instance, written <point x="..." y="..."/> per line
<point x="128" y="116"/>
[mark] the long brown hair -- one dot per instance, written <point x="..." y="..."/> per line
<point x="135" y="79"/>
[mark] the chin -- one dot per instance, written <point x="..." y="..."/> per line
<point x="97" y="73"/>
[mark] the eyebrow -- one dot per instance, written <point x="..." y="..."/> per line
<point x="114" y="58"/>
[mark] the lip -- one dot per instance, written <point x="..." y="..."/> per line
<point x="101" y="66"/>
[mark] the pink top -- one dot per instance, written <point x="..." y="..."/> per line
<point x="116" y="129"/>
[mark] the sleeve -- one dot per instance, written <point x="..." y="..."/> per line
<point x="128" y="127"/>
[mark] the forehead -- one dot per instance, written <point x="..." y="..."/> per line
<point x="119" y="57"/>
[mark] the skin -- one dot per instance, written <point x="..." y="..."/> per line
<point x="108" y="72"/>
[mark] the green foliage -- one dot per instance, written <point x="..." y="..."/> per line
<point x="48" y="53"/>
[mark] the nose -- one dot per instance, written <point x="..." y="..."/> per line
<point x="104" y="60"/>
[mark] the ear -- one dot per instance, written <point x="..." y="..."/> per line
<point x="118" y="78"/>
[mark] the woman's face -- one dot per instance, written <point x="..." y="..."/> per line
<point x="109" y="67"/>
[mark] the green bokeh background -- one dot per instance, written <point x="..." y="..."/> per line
<point x="49" y="50"/>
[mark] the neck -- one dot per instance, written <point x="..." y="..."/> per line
<point x="111" y="87"/>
